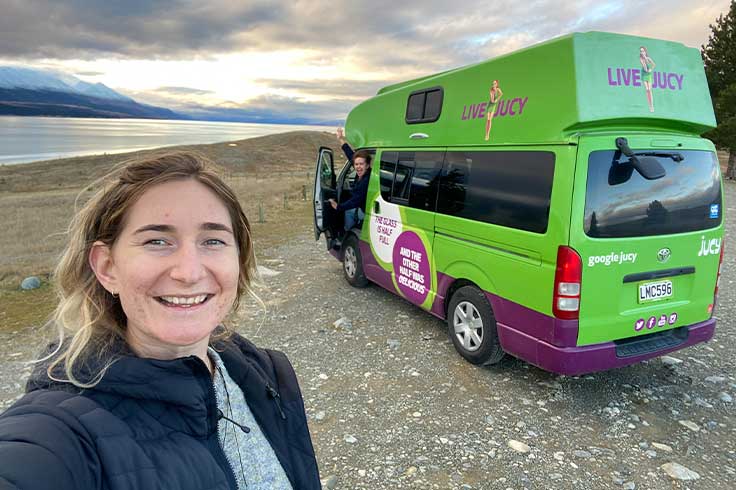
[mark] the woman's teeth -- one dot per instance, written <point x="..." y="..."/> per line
<point x="181" y="301"/>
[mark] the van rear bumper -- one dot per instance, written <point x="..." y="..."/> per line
<point x="597" y="357"/>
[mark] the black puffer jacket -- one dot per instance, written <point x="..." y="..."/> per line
<point x="151" y="424"/>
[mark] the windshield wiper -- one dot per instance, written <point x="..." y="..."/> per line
<point x="674" y="155"/>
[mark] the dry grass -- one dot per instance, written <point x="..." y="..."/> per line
<point x="37" y="202"/>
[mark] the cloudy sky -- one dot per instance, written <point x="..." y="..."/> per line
<point x="297" y="58"/>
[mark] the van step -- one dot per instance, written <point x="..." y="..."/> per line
<point x="652" y="342"/>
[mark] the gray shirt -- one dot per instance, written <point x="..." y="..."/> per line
<point x="250" y="455"/>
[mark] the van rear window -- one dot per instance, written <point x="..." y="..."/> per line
<point x="619" y="202"/>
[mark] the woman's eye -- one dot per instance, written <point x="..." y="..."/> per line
<point x="156" y="242"/>
<point x="214" y="242"/>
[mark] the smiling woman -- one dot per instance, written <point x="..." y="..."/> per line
<point x="145" y="366"/>
<point x="175" y="269"/>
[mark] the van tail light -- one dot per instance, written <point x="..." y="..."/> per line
<point x="568" y="281"/>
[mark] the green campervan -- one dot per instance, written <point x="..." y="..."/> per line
<point x="556" y="203"/>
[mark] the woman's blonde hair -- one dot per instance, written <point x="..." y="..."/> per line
<point x="88" y="318"/>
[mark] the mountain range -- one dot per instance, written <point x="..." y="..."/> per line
<point x="32" y="92"/>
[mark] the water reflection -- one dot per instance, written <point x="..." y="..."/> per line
<point x="27" y="139"/>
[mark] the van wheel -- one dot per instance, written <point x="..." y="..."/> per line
<point x="472" y="327"/>
<point x="352" y="263"/>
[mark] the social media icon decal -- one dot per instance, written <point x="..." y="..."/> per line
<point x="660" y="321"/>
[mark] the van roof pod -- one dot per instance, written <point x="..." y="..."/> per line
<point x="546" y="93"/>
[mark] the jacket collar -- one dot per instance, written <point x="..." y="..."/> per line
<point x="182" y="388"/>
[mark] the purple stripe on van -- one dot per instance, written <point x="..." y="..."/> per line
<point x="372" y="270"/>
<point x="562" y="333"/>
<point x="546" y="342"/>
<point x="590" y="358"/>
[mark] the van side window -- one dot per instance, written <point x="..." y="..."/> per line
<point x="402" y="178"/>
<point x="424" y="105"/>
<point x="426" y="179"/>
<point x="411" y="178"/>
<point x="506" y="188"/>
<point x="388" y="168"/>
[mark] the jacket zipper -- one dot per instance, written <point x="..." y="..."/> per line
<point x="200" y="365"/>
<point x="217" y="434"/>
<point x="276" y="398"/>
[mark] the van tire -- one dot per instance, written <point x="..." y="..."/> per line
<point x="352" y="262"/>
<point x="475" y="338"/>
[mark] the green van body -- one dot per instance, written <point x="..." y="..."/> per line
<point x="649" y="250"/>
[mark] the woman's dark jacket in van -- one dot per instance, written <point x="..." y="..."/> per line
<point x="360" y="191"/>
<point x="151" y="424"/>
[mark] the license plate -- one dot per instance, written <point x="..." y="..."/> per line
<point x="650" y="291"/>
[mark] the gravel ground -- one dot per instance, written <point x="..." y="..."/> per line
<point x="391" y="405"/>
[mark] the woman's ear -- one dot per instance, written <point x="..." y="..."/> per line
<point x="100" y="260"/>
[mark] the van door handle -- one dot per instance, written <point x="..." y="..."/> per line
<point x="376" y="207"/>
<point x="419" y="136"/>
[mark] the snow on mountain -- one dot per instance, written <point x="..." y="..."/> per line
<point x="32" y="79"/>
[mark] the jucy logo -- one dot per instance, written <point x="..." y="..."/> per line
<point x="632" y="77"/>
<point x="711" y="247"/>
<point x="510" y="107"/>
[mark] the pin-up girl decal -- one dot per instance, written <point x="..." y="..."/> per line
<point x="495" y="94"/>
<point x="647" y="69"/>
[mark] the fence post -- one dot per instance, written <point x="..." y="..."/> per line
<point x="261" y="213"/>
<point x="286" y="201"/>
<point x="304" y="192"/>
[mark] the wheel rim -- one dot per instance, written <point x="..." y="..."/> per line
<point x="350" y="262"/>
<point x="468" y="326"/>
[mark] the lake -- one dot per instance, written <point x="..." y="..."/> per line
<point x="27" y="139"/>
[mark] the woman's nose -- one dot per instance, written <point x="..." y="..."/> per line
<point x="188" y="267"/>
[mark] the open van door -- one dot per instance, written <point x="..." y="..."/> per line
<point x="325" y="184"/>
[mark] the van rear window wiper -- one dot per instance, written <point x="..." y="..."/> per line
<point x="674" y="155"/>
<point x="648" y="167"/>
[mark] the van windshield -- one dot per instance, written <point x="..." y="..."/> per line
<point x="619" y="202"/>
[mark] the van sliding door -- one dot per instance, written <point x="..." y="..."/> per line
<point x="402" y="224"/>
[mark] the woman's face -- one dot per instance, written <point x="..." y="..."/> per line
<point x="175" y="266"/>
<point x="642" y="52"/>
<point x="360" y="166"/>
<point x="495" y="84"/>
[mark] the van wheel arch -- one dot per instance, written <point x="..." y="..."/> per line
<point x="451" y="290"/>
<point x="352" y="261"/>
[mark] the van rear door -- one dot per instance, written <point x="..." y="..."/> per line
<point x="650" y="248"/>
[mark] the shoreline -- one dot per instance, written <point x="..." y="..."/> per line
<point x="27" y="139"/>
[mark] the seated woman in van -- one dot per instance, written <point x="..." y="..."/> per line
<point x="354" y="207"/>
<point x="148" y="386"/>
